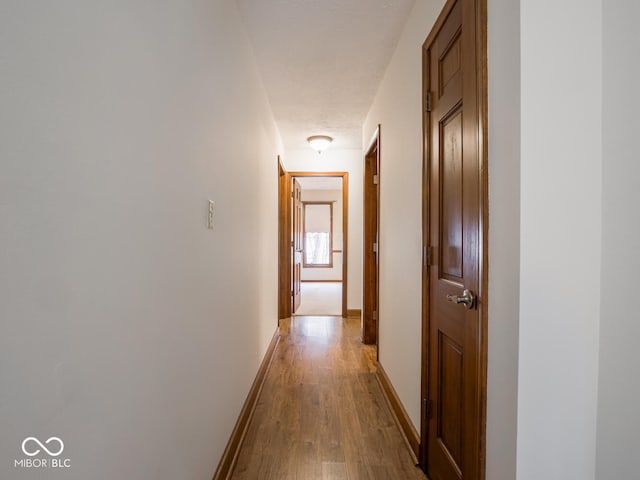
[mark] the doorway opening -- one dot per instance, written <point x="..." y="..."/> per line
<point x="313" y="230"/>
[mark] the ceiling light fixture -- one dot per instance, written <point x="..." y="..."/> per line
<point x="319" y="142"/>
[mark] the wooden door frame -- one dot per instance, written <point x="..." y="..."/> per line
<point x="284" y="242"/>
<point x="284" y="230"/>
<point x="480" y="12"/>
<point x="370" y="299"/>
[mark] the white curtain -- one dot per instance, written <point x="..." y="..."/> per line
<point x="317" y="246"/>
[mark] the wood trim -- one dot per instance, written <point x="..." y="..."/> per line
<point x="483" y="290"/>
<point x="318" y="174"/>
<point x="322" y="281"/>
<point x="400" y="415"/>
<point x="426" y="151"/>
<point x="284" y="240"/>
<point x="345" y="224"/>
<point x="345" y="239"/>
<point x="354" y="313"/>
<point x="230" y="455"/>
<point x="304" y="235"/>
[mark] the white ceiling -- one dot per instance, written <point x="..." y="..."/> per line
<point x="322" y="61"/>
<point x="320" y="183"/>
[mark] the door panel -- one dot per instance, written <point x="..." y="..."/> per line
<point x="450" y="187"/>
<point x="452" y="372"/>
<point x="449" y="387"/>
<point x="449" y="63"/>
<point x="297" y="245"/>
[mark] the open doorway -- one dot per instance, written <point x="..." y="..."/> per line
<point x="321" y="230"/>
<point x="313" y="243"/>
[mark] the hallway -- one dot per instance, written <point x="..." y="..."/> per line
<point x="141" y="145"/>
<point x="322" y="413"/>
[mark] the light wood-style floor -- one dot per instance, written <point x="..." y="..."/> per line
<point x="322" y="413"/>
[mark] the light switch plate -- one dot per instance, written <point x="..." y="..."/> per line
<point x="211" y="208"/>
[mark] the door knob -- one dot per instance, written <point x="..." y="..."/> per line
<point x="468" y="299"/>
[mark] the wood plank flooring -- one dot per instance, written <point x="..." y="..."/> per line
<point x="321" y="414"/>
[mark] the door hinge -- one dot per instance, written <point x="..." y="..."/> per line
<point x="292" y="293"/>
<point x="426" y="408"/>
<point x="427" y="256"/>
<point x="375" y="315"/>
<point x="376" y="179"/>
<point x="375" y="247"/>
<point x="427" y="101"/>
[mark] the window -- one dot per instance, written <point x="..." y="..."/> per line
<point x="318" y="234"/>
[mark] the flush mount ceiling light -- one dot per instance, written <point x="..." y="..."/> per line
<point x="319" y="142"/>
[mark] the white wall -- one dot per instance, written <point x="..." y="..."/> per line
<point x="341" y="160"/>
<point x="127" y="328"/>
<point x="398" y="108"/>
<point x="503" y="51"/>
<point x="561" y="94"/>
<point x="335" y="272"/>
<point x="618" y="441"/>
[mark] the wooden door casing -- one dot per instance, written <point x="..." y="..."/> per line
<point x="371" y="241"/>
<point x="345" y="224"/>
<point x="286" y="215"/>
<point x="284" y="242"/>
<point x="454" y="337"/>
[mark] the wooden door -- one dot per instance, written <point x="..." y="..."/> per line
<point x="371" y="242"/>
<point x="297" y="245"/>
<point x="454" y="377"/>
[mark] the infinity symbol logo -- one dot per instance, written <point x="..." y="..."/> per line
<point x="49" y="440"/>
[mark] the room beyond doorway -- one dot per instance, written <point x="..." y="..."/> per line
<point x="321" y="298"/>
<point x="313" y="243"/>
